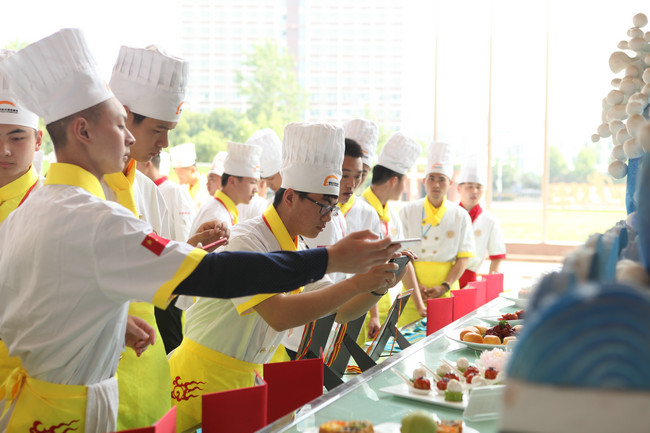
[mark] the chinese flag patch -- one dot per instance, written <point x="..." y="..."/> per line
<point x="155" y="243"/>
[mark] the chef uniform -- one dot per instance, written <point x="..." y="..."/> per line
<point x="241" y="160"/>
<point x="178" y="201"/>
<point x="152" y="84"/>
<point x="487" y="230"/>
<point x="13" y="194"/>
<point x="184" y="155"/>
<point x="270" y="161"/>
<point x="398" y="154"/>
<point x="216" y="360"/>
<point x="446" y="231"/>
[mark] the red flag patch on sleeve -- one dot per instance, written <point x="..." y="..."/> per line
<point x="155" y="243"/>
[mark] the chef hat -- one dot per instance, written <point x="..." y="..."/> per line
<point x="56" y="76"/>
<point x="165" y="164"/>
<point x="150" y="82"/>
<point x="399" y="153"/>
<point x="243" y="160"/>
<point x="37" y="162"/>
<point x="471" y="172"/>
<point x="312" y="157"/>
<point x="183" y="155"/>
<point x="366" y="134"/>
<point x="217" y="163"/>
<point x="440" y="159"/>
<point x="271" y="158"/>
<point x="12" y="112"/>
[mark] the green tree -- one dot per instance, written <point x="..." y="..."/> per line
<point x="558" y="168"/>
<point x="16" y="45"/>
<point x="269" y="83"/>
<point x="585" y="164"/>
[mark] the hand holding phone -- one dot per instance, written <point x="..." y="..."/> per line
<point x="401" y="262"/>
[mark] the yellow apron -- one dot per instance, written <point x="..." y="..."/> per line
<point x="144" y="382"/>
<point x="280" y="355"/>
<point x="429" y="274"/>
<point x="384" y="306"/>
<point x="7" y="363"/>
<point x="43" y="406"/>
<point x="211" y="371"/>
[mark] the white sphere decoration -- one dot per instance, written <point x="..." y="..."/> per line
<point x="623" y="45"/>
<point x="643" y="137"/>
<point x="638" y="83"/>
<point x="632" y="71"/>
<point x="595" y="138"/>
<point x="628" y="86"/>
<point x="633" y="124"/>
<point x="637" y="43"/>
<point x="617" y="112"/>
<point x="632" y="148"/>
<point x="617" y="169"/>
<point x="633" y="108"/>
<point x="616" y="82"/>
<point x="619" y="61"/>
<point x="618" y="153"/>
<point x="603" y="130"/>
<point x="646" y="76"/>
<point x="647" y="37"/>
<point x="622" y="136"/>
<point x="640" y="98"/>
<point x="615" y="97"/>
<point x="615" y="126"/>
<point x="646" y="90"/>
<point x="640" y="20"/>
<point x="606" y="105"/>
<point x="634" y="32"/>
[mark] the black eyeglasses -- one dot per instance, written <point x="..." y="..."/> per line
<point x="324" y="208"/>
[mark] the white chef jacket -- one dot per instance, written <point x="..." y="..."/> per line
<point x="231" y="326"/>
<point x="214" y="209"/>
<point x="489" y="239"/>
<point x="70" y="263"/>
<point x="362" y="216"/>
<point x="332" y="233"/>
<point x="452" y="237"/>
<point x="393" y="227"/>
<point x="149" y="202"/>
<point x="255" y="207"/>
<point x="200" y="194"/>
<point x="181" y="209"/>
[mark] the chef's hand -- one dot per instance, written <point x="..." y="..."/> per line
<point x="209" y="232"/>
<point x="358" y="252"/>
<point x="435" y="291"/>
<point x="139" y="334"/>
<point x="373" y="327"/>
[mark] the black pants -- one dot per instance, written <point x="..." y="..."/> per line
<point x="169" y="325"/>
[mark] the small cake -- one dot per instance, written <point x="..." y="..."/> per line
<point x="454" y="391"/>
<point x="450" y="426"/>
<point x="443" y="369"/>
<point x="333" y="427"/>
<point x="419" y="372"/>
<point x="346" y="427"/>
<point x="418" y="422"/>
<point x="462" y="364"/>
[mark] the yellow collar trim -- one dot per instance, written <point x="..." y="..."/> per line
<point x="61" y="173"/>
<point x="19" y="186"/>
<point x="279" y="230"/>
<point x="434" y="215"/>
<point x="194" y="189"/>
<point x="347" y="206"/>
<point x="382" y="211"/>
<point x="122" y="185"/>
<point x="230" y="205"/>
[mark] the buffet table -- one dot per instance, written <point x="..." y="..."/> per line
<point x="361" y="398"/>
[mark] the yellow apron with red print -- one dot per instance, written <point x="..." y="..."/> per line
<point x="7" y="363"/>
<point x="144" y="382"/>
<point x="211" y="372"/>
<point x="42" y="406"/>
<point x="429" y="274"/>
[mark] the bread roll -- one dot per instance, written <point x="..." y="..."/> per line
<point x="472" y="337"/>
<point x="468" y="329"/>
<point x="491" y="339"/>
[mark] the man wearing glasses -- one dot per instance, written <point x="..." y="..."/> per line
<point x="226" y="342"/>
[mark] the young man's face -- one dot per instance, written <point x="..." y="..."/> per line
<point x="274" y="182"/>
<point x="311" y="221"/>
<point x="352" y="172"/>
<point x="245" y="188"/>
<point x="17" y="146"/>
<point x="470" y="194"/>
<point x="213" y="183"/>
<point x="364" y="174"/>
<point x="398" y="189"/>
<point x="437" y="185"/>
<point x="185" y="175"/>
<point x="151" y="136"/>
<point x="112" y="140"/>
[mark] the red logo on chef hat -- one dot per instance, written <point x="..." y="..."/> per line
<point x="13" y="110"/>
<point x="154" y="243"/>
<point x="331" y="180"/>
<point x="38" y="427"/>
<point x="437" y="165"/>
<point x="179" y="109"/>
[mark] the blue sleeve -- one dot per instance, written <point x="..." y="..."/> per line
<point x="232" y="274"/>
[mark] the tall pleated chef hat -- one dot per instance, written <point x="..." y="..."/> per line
<point x="150" y="82"/>
<point x="12" y="112"/>
<point x="271" y="159"/>
<point x="440" y="159"/>
<point x="312" y="157"/>
<point x="243" y="160"/>
<point x="366" y="134"/>
<point x="183" y="155"/>
<point x="470" y="171"/>
<point x="217" y="163"/>
<point x="56" y="76"/>
<point x="399" y="153"/>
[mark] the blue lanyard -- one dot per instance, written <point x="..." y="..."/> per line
<point x="423" y="234"/>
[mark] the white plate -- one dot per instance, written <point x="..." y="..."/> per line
<point x="402" y="390"/>
<point x="454" y="335"/>
<point x="513" y="297"/>
<point x="393" y="427"/>
<point x="494" y="320"/>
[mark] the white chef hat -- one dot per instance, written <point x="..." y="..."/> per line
<point x="150" y="82"/>
<point x="165" y="164"/>
<point x="271" y="159"/>
<point x="183" y="155"/>
<point x="399" y="153"/>
<point x="366" y="133"/>
<point x="217" y="163"/>
<point x="440" y="159"/>
<point x="56" y="76"/>
<point x="243" y="160"/>
<point x="12" y="112"/>
<point x="312" y="157"/>
<point x="471" y="172"/>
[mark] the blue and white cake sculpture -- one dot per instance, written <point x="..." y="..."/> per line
<point x="581" y="362"/>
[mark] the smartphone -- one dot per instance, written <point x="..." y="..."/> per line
<point x="406" y="242"/>
<point x="401" y="262"/>
<point x="215" y="244"/>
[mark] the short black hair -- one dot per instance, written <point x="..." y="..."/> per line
<point x="138" y="118"/>
<point x="57" y="129"/>
<point x="277" y="198"/>
<point x="381" y="175"/>
<point x="353" y="149"/>
<point x="226" y="176"/>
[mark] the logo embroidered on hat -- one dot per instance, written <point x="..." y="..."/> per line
<point x="179" y="110"/>
<point x="331" y="180"/>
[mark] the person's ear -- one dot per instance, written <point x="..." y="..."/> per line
<point x="290" y="197"/>
<point x="79" y="129"/>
